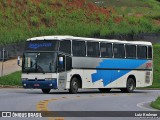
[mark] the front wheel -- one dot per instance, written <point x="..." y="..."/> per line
<point x="46" y="91"/>
<point x="74" y="86"/>
<point x="130" y="86"/>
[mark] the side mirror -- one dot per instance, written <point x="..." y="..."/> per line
<point x="61" y="63"/>
<point x="18" y="61"/>
<point x="61" y="60"/>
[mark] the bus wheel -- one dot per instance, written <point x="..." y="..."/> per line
<point x="104" y="90"/>
<point x="74" y="86"/>
<point x="46" y="91"/>
<point x="130" y="86"/>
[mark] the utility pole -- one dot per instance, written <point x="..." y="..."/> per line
<point x="2" y="61"/>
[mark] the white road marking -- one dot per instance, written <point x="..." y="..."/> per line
<point x="141" y="105"/>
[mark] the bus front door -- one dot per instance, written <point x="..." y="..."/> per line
<point x="62" y="72"/>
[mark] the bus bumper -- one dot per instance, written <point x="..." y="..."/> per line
<point x="40" y="84"/>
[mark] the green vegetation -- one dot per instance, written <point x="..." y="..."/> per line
<point x="20" y="20"/>
<point x="156" y="63"/>
<point x="156" y="103"/>
<point x="13" y="79"/>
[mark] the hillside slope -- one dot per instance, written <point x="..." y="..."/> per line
<point x="20" y="20"/>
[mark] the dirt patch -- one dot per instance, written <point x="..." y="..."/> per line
<point x="157" y="22"/>
<point x="9" y="86"/>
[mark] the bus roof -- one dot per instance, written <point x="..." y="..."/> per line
<point x="66" y="37"/>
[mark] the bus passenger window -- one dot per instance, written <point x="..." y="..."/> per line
<point x="142" y="52"/>
<point x="130" y="51"/>
<point x="106" y="49"/>
<point x="119" y="51"/>
<point x="149" y="52"/>
<point x="79" y="48"/>
<point x="93" y="49"/>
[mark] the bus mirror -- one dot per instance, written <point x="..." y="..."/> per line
<point x="18" y="61"/>
<point x="60" y="60"/>
<point x="61" y="63"/>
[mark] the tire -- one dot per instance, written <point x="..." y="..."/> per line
<point x="74" y="86"/>
<point x="46" y="91"/>
<point x="104" y="90"/>
<point x="130" y="86"/>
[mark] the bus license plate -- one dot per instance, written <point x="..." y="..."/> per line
<point x="36" y="85"/>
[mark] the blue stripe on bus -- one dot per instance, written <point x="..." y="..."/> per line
<point x="109" y="76"/>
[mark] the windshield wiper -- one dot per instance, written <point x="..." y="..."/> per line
<point x="39" y="69"/>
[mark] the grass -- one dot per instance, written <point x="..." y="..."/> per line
<point x="76" y="17"/>
<point x="156" y="104"/>
<point x="13" y="79"/>
<point x="156" y="63"/>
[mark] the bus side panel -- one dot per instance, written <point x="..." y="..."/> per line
<point x="108" y="82"/>
<point x="140" y="77"/>
<point x="103" y="72"/>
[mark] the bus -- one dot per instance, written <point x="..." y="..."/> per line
<point x="71" y="63"/>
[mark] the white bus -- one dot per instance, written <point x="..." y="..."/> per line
<point x="67" y="62"/>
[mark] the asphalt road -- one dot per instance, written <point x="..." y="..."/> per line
<point x="85" y="100"/>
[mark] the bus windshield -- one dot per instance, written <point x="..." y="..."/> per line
<point x="39" y="62"/>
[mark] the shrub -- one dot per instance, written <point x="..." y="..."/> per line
<point x="34" y="20"/>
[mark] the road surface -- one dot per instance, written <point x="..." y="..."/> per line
<point x="85" y="100"/>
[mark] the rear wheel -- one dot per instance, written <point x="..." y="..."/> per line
<point x="104" y="90"/>
<point x="46" y="91"/>
<point x="74" y="86"/>
<point x="130" y="86"/>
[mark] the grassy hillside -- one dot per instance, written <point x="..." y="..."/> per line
<point x="21" y="19"/>
<point x="156" y="63"/>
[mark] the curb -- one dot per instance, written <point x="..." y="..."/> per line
<point x="147" y="88"/>
<point x="9" y="86"/>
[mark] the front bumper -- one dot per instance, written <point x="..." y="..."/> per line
<point x="40" y="84"/>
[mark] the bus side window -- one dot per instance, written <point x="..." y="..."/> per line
<point x="149" y="52"/>
<point x="93" y="49"/>
<point x="65" y="46"/>
<point x="68" y="63"/>
<point x="119" y="50"/>
<point x="79" y="48"/>
<point x="130" y="51"/>
<point x="142" y="52"/>
<point x="106" y="49"/>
